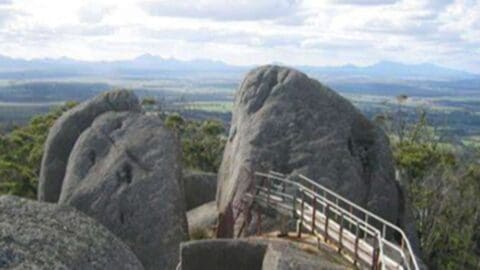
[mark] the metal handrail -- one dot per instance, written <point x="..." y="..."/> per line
<point x="367" y="228"/>
<point x="351" y="218"/>
<point x="369" y="214"/>
<point x="348" y="202"/>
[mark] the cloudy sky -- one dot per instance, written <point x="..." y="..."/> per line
<point x="313" y="32"/>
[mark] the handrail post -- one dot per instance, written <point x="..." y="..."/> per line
<point x="300" y="223"/>
<point x="326" y="222"/>
<point x="356" y="244"/>
<point x="336" y="203"/>
<point x="268" y="191"/>
<point x="351" y="213"/>
<point x="294" y="204"/>
<point x="375" y="255"/>
<point x="314" y="215"/>
<point x="340" y="237"/>
<point x="259" y="223"/>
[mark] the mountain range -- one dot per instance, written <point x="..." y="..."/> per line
<point x="148" y="65"/>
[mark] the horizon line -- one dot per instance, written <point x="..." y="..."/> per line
<point x="273" y="62"/>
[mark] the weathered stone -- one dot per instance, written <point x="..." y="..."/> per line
<point x="222" y="255"/>
<point x="287" y="122"/>
<point x="37" y="235"/>
<point x="64" y="133"/>
<point x="258" y="253"/>
<point x="125" y="171"/>
<point x="203" y="217"/>
<point x="282" y="255"/>
<point x="200" y="188"/>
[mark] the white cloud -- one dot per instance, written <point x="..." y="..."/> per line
<point x="4" y="14"/>
<point x="224" y="10"/>
<point x="314" y="32"/>
<point x="92" y="12"/>
<point x="366" y="2"/>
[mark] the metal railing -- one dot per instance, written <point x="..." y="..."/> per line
<point x="367" y="238"/>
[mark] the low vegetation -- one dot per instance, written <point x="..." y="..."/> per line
<point x="21" y="152"/>
<point x="202" y="142"/>
<point x="441" y="178"/>
<point x="201" y="233"/>
<point x="442" y="181"/>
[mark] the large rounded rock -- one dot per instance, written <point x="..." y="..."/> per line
<point x="64" y="133"/>
<point x="36" y="235"/>
<point x="222" y="254"/>
<point x="125" y="171"/>
<point x="285" y="255"/>
<point x="258" y="253"/>
<point x="202" y="218"/>
<point x="200" y="188"/>
<point x="287" y="122"/>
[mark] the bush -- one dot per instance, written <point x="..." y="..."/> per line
<point x="442" y="184"/>
<point x="202" y="142"/>
<point x="21" y="153"/>
<point x="201" y="233"/>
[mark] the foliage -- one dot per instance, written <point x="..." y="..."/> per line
<point x="149" y="101"/>
<point x="441" y="179"/>
<point x="201" y="233"/>
<point x="443" y="185"/>
<point x="202" y="142"/>
<point x="21" y="152"/>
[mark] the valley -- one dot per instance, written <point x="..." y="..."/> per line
<point x="452" y="106"/>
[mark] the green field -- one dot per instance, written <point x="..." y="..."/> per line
<point x="210" y="106"/>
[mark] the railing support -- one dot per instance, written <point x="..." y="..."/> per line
<point x="300" y="223"/>
<point x="269" y="184"/>
<point x="314" y="215"/>
<point x="326" y="222"/>
<point x="294" y="205"/>
<point x="376" y="253"/>
<point x="259" y="223"/>
<point x="357" y="238"/>
<point x="340" y="237"/>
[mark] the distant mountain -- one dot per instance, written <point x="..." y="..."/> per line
<point x="387" y="70"/>
<point x="148" y="65"/>
<point x="144" y="65"/>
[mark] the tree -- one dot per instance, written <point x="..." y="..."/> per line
<point x="149" y="101"/>
<point x="175" y="122"/>
<point x="202" y="142"/>
<point x="21" y="152"/>
<point x="443" y="187"/>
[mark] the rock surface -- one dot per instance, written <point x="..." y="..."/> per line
<point x="257" y="253"/>
<point x="36" y="235"/>
<point x="222" y="255"/>
<point x="125" y="171"/>
<point x="203" y="217"/>
<point x="281" y="255"/>
<point x="64" y="133"/>
<point x="200" y="188"/>
<point x="287" y="122"/>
